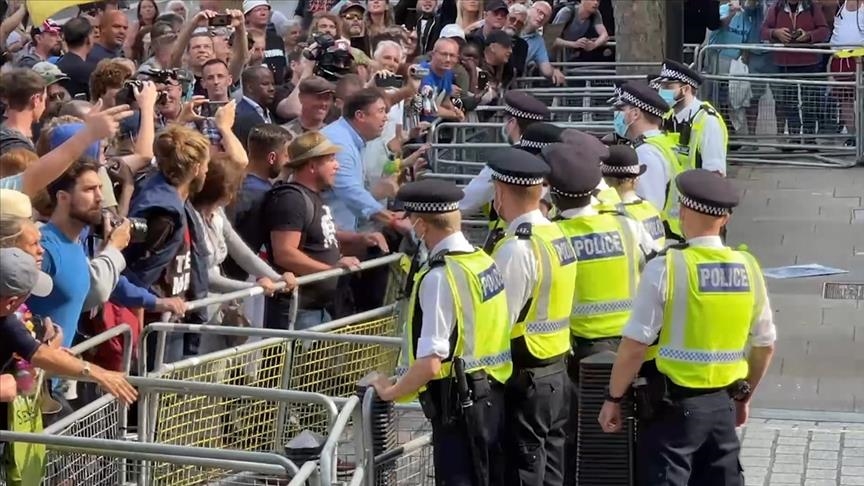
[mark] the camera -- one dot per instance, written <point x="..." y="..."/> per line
<point x="418" y="72"/>
<point x="332" y="57"/>
<point x="126" y="95"/>
<point x="138" y="227"/>
<point x="220" y="20"/>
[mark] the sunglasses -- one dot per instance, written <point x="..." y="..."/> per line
<point x="352" y="17"/>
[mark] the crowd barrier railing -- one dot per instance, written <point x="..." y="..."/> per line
<point x="807" y="116"/>
<point x="690" y="54"/>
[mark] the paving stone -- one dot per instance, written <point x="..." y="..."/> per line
<point x="852" y="480"/>
<point x="824" y="446"/>
<point x="792" y="441"/>
<point x="823" y="455"/>
<point x="755" y="452"/>
<point x="793" y="467"/>
<point x="758" y="442"/>
<point x="785" y="478"/>
<point x="792" y="449"/>
<point x="852" y="470"/>
<point x="857" y="443"/>
<point x="788" y="458"/>
<point x="813" y="464"/>
<point x="853" y="461"/>
<point x="820" y="482"/>
<point x="821" y="474"/>
<point x="853" y="451"/>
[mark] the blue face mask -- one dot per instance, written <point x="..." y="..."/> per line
<point x="621" y="124"/>
<point x="668" y="96"/>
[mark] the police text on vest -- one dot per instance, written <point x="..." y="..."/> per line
<point x="723" y="277"/>
<point x="491" y="282"/>
<point x="598" y="245"/>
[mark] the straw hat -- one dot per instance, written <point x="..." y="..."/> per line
<point x="308" y="146"/>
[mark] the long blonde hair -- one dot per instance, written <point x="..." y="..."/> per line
<point x="461" y="20"/>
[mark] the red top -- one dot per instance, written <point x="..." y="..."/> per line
<point x="807" y="17"/>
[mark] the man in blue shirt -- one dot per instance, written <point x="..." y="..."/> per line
<point x="438" y="84"/>
<point x="538" y="16"/>
<point x="364" y="115"/>
<point x="77" y="199"/>
<point x="112" y="35"/>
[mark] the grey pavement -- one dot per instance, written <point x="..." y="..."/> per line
<point x="801" y="453"/>
<point x="794" y="216"/>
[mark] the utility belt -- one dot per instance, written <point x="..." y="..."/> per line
<point x="654" y="392"/>
<point x="448" y="399"/>
<point x="522" y="357"/>
<point x="577" y="341"/>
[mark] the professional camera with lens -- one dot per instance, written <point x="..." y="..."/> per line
<point x="332" y="57"/>
<point x="138" y="227"/>
<point x="126" y="95"/>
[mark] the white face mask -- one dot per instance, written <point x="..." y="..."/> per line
<point x="422" y="249"/>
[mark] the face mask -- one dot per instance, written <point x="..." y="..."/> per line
<point x="505" y="133"/>
<point x="621" y="125"/>
<point x="422" y="250"/>
<point x="668" y="96"/>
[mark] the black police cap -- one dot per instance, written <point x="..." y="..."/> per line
<point x="572" y="174"/>
<point x="706" y="192"/>
<point x="642" y="96"/>
<point x="588" y="145"/>
<point x="675" y="71"/>
<point x="520" y="104"/>
<point x="539" y="135"/>
<point x="517" y="167"/>
<point x="430" y="196"/>
<point x="622" y="162"/>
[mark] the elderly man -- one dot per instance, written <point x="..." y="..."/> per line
<point x="538" y="16"/>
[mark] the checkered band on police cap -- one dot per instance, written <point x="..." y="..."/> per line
<point x="631" y="99"/>
<point x="573" y="195"/>
<point x="670" y="73"/>
<point x="430" y="207"/>
<point x="516" y="180"/>
<point x="621" y="169"/>
<point x="532" y="144"/>
<point x="703" y="208"/>
<point x="516" y="112"/>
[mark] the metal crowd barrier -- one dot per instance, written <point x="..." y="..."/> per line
<point x="787" y="118"/>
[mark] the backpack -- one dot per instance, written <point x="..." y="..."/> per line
<point x="281" y="189"/>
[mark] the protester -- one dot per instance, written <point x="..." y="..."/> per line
<point x="112" y="34"/>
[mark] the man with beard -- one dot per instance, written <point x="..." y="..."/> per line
<point x="300" y="234"/>
<point x="267" y="147"/>
<point x="353" y="16"/>
<point x="46" y="43"/>
<point x="316" y="99"/>
<point x="77" y="200"/>
<point x="172" y="260"/>
<point x="112" y="35"/>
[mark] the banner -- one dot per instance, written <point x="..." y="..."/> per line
<point x="42" y="9"/>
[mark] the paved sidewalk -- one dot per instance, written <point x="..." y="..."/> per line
<point x="792" y="216"/>
<point x="786" y="453"/>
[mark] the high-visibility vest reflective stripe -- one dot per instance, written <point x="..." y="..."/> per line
<point x="546" y="324"/>
<point x="481" y="314"/>
<point x="689" y="157"/>
<point x="607" y="256"/>
<point x="671" y="210"/>
<point x="710" y="305"/>
<point x="647" y="214"/>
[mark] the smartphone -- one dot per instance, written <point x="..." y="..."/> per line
<point x="482" y="80"/>
<point x="209" y="109"/>
<point x="220" y="20"/>
<point x="395" y="81"/>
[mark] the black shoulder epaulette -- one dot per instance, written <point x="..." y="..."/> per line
<point x="639" y="141"/>
<point x="437" y="259"/>
<point x="523" y="231"/>
<point x="709" y="109"/>
<point x="655" y="254"/>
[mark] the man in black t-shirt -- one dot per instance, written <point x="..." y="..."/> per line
<point x="301" y="236"/>
<point x="77" y="34"/>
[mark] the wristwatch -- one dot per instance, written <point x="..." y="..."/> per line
<point x="609" y="398"/>
<point x="85" y="372"/>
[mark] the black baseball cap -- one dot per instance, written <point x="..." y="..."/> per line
<point x="499" y="37"/>
<point x="493" y="5"/>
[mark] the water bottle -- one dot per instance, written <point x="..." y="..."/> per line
<point x="25" y="378"/>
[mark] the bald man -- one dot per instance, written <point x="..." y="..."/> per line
<point x="439" y="82"/>
<point x="112" y="35"/>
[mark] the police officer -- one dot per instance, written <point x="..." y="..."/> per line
<point x="521" y="110"/>
<point x="610" y="252"/>
<point x="621" y="169"/>
<point x="705" y="304"/>
<point x="701" y="131"/>
<point x="539" y="269"/>
<point x="639" y="116"/>
<point x="536" y="137"/>
<point x="457" y="326"/>
<point x="591" y="147"/>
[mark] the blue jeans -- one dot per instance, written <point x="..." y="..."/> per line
<point x="307" y="318"/>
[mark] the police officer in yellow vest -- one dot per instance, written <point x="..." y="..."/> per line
<point x="610" y="253"/>
<point x="591" y="147"/>
<point x="621" y="169"/>
<point x="639" y="117"/>
<point x="457" y="336"/>
<point x="539" y="269"/>
<point x="521" y="110"/>
<point x="707" y="303"/>
<point x="702" y="134"/>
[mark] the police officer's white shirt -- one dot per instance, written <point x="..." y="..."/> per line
<point x="651" y="186"/>
<point x="647" y="316"/>
<point x="478" y="192"/>
<point x="631" y="197"/>
<point x="516" y="262"/>
<point x="637" y="229"/>
<point x="713" y="149"/>
<point x="436" y="303"/>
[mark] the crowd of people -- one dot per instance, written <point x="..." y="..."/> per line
<point x="151" y="163"/>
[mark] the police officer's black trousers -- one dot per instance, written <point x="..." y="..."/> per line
<point x="581" y="350"/>
<point x="691" y="441"/>
<point x="452" y="453"/>
<point x="537" y="411"/>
